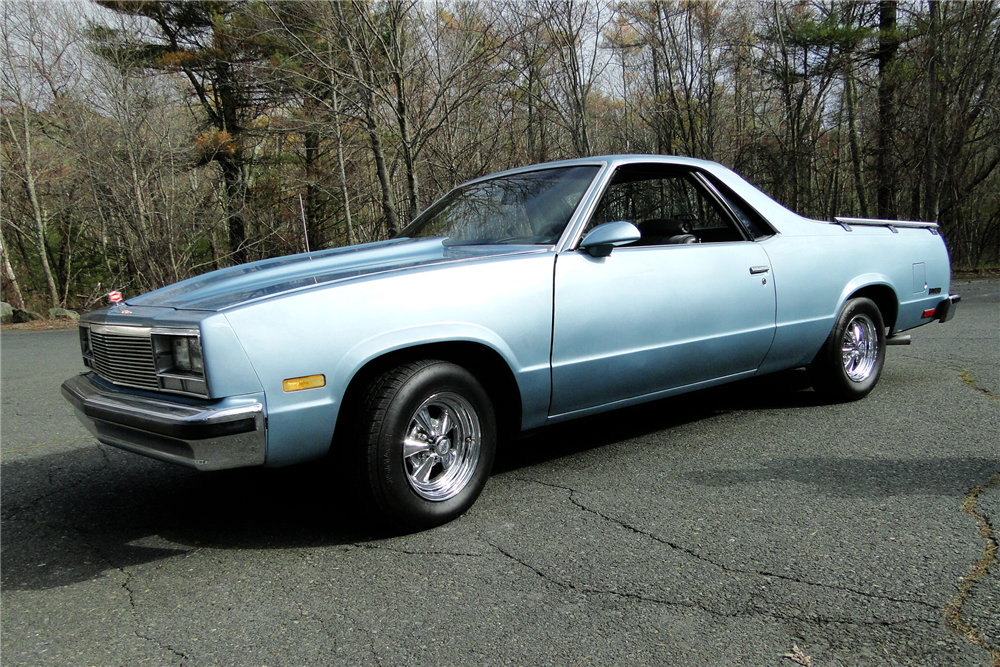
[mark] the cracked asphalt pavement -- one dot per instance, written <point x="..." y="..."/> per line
<point x="745" y="525"/>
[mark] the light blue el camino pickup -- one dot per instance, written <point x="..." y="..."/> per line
<point x="518" y="300"/>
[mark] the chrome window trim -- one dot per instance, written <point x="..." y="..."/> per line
<point x="712" y="193"/>
<point x="726" y="201"/>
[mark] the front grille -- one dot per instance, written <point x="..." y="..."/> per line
<point x="124" y="359"/>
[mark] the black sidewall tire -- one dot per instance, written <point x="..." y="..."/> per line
<point x="408" y="387"/>
<point x="827" y="372"/>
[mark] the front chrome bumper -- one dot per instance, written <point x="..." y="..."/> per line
<point x="196" y="434"/>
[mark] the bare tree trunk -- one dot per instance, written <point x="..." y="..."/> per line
<point x="406" y="141"/>
<point x="68" y="254"/>
<point x="888" y="45"/>
<point x="661" y="145"/>
<point x="530" y="100"/>
<point x="235" y="187"/>
<point x="28" y="26"/>
<point x="10" y="278"/>
<point x="37" y="215"/>
<point x="851" y="100"/>
<point x="145" y="236"/>
<point x="930" y="200"/>
<point x="388" y="208"/>
<point x="342" y="172"/>
<point x="397" y="56"/>
<point x="368" y="104"/>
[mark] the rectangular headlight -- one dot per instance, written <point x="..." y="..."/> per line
<point x="180" y="365"/>
<point x="187" y="354"/>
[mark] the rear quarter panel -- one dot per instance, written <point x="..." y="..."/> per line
<point x="817" y="267"/>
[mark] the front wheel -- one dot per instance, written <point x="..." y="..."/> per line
<point x="429" y="438"/>
<point x="850" y="362"/>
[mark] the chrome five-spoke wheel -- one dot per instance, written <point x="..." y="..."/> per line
<point x="442" y="445"/>
<point x="860" y="348"/>
<point x="429" y="438"/>
<point x="850" y="362"/>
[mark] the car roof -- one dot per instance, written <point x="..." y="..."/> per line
<point x="614" y="161"/>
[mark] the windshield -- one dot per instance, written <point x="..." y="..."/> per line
<point x="531" y="208"/>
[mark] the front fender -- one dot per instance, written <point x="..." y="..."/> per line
<point x="503" y="304"/>
<point x="533" y="380"/>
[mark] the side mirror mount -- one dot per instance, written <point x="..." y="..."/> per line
<point x="604" y="238"/>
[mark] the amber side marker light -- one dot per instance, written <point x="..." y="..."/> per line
<point x="309" y="382"/>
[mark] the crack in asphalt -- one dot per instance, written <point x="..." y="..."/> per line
<point x="748" y="610"/>
<point x="126" y="584"/>
<point x="970" y="381"/>
<point x="375" y="654"/>
<point x="953" y="611"/>
<point x="731" y="570"/>
<point x="317" y="618"/>
<point x="97" y="551"/>
<point x="761" y="607"/>
<point x="9" y="513"/>
<point x="963" y="373"/>
<point x="355" y="624"/>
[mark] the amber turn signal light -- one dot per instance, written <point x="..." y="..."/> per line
<point x="308" y="382"/>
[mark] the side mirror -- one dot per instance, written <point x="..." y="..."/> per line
<point x="604" y="238"/>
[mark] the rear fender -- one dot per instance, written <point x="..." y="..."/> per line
<point x="879" y="290"/>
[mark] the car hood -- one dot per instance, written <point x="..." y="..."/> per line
<point x="236" y="285"/>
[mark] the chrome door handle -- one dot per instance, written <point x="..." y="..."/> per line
<point x="754" y="270"/>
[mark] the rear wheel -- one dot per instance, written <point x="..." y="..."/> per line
<point x="850" y="362"/>
<point x="429" y="438"/>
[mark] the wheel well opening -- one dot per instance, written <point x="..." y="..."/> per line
<point x="484" y="363"/>
<point x="885" y="298"/>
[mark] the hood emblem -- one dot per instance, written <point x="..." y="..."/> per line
<point x="115" y="297"/>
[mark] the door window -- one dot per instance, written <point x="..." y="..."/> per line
<point x="668" y="206"/>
